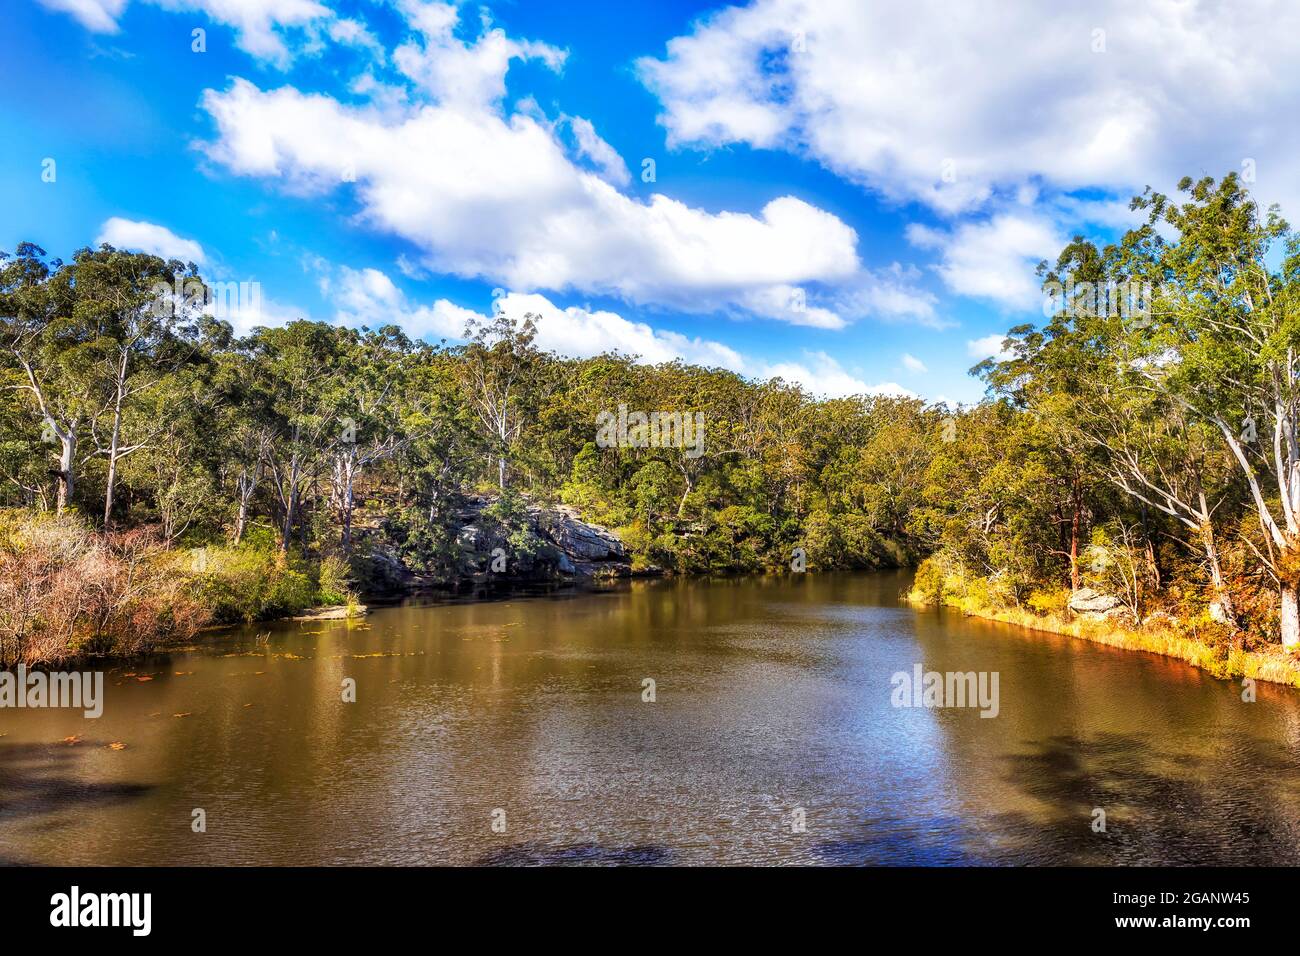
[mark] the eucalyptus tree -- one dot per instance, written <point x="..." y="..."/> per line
<point x="299" y="366"/>
<point x="1084" y="376"/>
<point x="48" y="357"/>
<point x="1223" y="344"/>
<point x="499" y="369"/>
<point x="145" y="312"/>
<point x="368" y="397"/>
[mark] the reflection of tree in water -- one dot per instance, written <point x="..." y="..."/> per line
<point x="41" y="779"/>
<point x="1237" y="805"/>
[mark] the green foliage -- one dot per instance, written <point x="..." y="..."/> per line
<point x="334" y="581"/>
<point x="1101" y="437"/>
<point x="252" y="581"/>
<point x="1050" y="603"/>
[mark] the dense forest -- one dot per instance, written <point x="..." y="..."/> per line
<point x="160" y="472"/>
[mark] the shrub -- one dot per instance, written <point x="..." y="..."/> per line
<point x="928" y="584"/>
<point x="1051" y="603"/>
<point x="68" y="591"/>
<point x="252" y="581"/>
<point x="334" y="581"/>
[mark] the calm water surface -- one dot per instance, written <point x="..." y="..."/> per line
<point x="772" y="695"/>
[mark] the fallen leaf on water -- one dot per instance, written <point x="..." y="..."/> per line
<point x="186" y="714"/>
<point x="156" y="713"/>
<point x="248" y="705"/>
<point x="183" y="673"/>
<point x="144" y="677"/>
<point x="117" y="745"/>
<point x="75" y="738"/>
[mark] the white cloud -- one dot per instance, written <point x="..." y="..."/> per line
<point x="494" y="197"/>
<point x="993" y="259"/>
<point x="823" y="376"/>
<point x="369" y="297"/>
<point x="1002" y="97"/>
<point x="250" y="309"/>
<point x="258" y="24"/>
<point x="455" y="72"/>
<point x="488" y="193"/>
<point x="99" y="16"/>
<point x="990" y="346"/>
<point x="149" y="237"/>
<point x="891" y="294"/>
<point x="913" y="364"/>
<point x="604" y="156"/>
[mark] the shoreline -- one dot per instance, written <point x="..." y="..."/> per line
<point x="1274" y="667"/>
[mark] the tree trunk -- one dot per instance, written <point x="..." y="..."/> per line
<point x="1221" y="608"/>
<point x="112" y="469"/>
<point x="241" y="520"/>
<point x="349" y="468"/>
<point x="681" y="505"/>
<point x="291" y="506"/>
<point x="66" y="460"/>
<point x="1074" y="546"/>
<point x="113" y="445"/>
<point x="1290" y="615"/>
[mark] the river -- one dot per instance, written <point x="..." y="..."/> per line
<point x="517" y="731"/>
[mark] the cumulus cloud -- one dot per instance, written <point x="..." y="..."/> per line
<point x="913" y="364"/>
<point x="259" y="25"/>
<point x="369" y="297"/>
<point x="247" y="307"/>
<point x="954" y="103"/>
<point x="495" y="197"/>
<point x="149" y="237"/>
<point x="990" y="346"/>
<point x="601" y="154"/>
<point x="993" y="259"/>
<point x="823" y="376"/>
<point x="454" y="71"/>
<point x="509" y="197"/>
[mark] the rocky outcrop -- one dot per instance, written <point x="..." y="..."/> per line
<point x="536" y="546"/>
<point x="585" y="551"/>
<point x="1088" y="601"/>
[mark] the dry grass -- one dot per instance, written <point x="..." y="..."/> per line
<point x="1273" y="665"/>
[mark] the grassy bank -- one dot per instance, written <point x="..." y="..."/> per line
<point x="1226" y="659"/>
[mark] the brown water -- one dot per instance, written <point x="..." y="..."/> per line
<point x="771" y="695"/>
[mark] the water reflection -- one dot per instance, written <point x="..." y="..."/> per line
<point x="771" y="695"/>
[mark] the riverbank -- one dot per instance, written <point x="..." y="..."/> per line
<point x="1274" y="665"/>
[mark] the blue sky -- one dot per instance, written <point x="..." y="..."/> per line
<point x="848" y="195"/>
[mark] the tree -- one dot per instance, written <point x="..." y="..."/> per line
<point x="1224" y="345"/>
<point x="145" y="327"/>
<point x="499" y="369"/>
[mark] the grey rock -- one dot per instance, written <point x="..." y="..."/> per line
<point x="1088" y="601"/>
